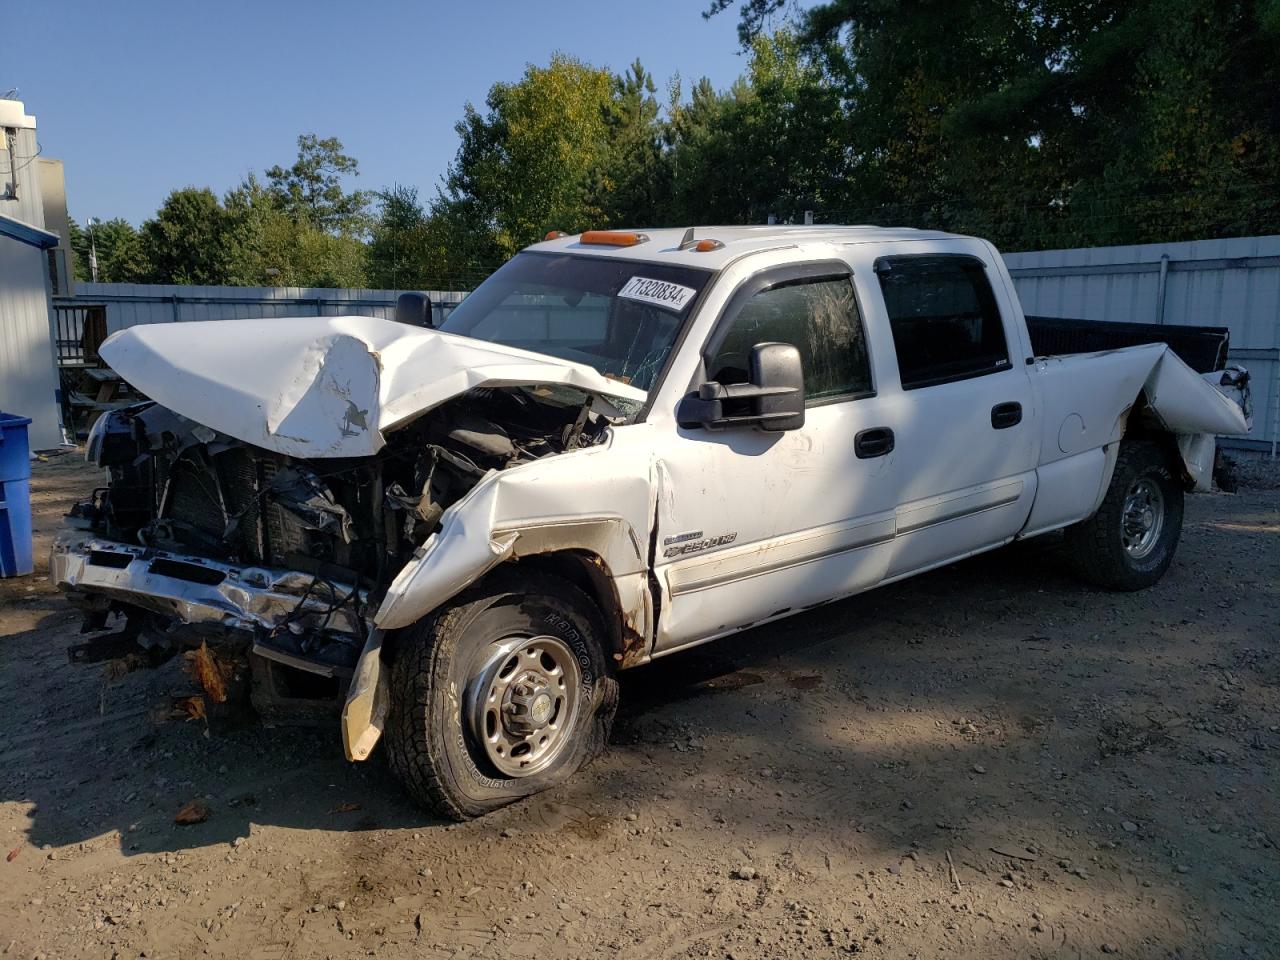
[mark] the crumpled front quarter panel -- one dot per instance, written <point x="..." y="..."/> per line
<point x="551" y="504"/>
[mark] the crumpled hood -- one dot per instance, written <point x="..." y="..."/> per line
<point x="323" y="386"/>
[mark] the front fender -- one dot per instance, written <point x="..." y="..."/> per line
<point x="462" y="551"/>
<point x="507" y="516"/>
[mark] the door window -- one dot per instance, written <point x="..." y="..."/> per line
<point x="818" y="317"/>
<point x="945" y="322"/>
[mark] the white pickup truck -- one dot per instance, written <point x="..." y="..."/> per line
<point x="621" y="445"/>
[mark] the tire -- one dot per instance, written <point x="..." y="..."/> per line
<point x="453" y="683"/>
<point x="1145" y="495"/>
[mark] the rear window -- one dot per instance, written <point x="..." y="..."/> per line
<point x="945" y="322"/>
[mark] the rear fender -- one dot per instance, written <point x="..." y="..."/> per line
<point x="1191" y="412"/>
<point x="1092" y="401"/>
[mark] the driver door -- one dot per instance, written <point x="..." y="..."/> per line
<point x="751" y="524"/>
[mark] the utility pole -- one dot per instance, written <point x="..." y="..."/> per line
<point x="93" y="250"/>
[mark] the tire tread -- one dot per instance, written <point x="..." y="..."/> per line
<point x="422" y="652"/>
<point x="1091" y="544"/>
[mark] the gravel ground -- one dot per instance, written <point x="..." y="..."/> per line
<point x="991" y="760"/>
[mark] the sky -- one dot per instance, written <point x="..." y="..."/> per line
<point x="138" y="97"/>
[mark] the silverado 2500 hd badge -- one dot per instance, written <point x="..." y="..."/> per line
<point x="693" y="542"/>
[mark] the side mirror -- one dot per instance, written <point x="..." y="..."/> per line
<point x="772" y="399"/>
<point x="414" y="309"/>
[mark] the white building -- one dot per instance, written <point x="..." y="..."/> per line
<point x="28" y="361"/>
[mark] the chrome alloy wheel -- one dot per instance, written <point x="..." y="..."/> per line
<point x="522" y="703"/>
<point x="1142" y="518"/>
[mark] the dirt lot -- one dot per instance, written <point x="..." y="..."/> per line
<point x="987" y="761"/>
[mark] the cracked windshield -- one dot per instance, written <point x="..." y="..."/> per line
<point x="620" y="317"/>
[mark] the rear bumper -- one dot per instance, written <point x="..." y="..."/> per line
<point x="194" y="590"/>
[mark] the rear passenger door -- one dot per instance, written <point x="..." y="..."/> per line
<point x="965" y="448"/>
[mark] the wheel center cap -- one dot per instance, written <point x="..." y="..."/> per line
<point x="529" y="704"/>
<point x="540" y="709"/>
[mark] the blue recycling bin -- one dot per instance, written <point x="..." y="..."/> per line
<point x="15" y="496"/>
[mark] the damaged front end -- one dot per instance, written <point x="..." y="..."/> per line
<point x="267" y="567"/>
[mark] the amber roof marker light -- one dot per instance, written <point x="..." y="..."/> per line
<point x="612" y="238"/>
<point x="699" y="246"/>
<point x="554" y="235"/>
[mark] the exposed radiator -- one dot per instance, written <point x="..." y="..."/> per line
<point x="231" y="495"/>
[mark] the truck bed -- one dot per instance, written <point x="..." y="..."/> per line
<point x="1203" y="349"/>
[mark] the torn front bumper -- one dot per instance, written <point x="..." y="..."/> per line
<point x="194" y="590"/>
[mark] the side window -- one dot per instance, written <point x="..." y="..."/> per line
<point x="945" y="322"/>
<point x="818" y="317"/>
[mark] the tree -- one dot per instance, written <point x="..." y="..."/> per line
<point x="189" y="240"/>
<point x="268" y="247"/>
<point x="300" y="228"/>
<point x="1036" y="123"/>
<point x="1052" y="122"/>
<point x="311" y="191"/>
<point x="771" y="144"/>
<point x="527" y="164"/>
<point x="397" y="251"/>
<point x="753" y="18"/>
<point x="119" y="249"/>
<point x="630" y="185"/>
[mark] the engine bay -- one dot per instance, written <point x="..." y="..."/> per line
<point x="208" y="509"/>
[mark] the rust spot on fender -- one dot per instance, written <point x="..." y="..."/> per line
<point x="635" y="647"/>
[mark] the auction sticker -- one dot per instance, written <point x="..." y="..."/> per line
<point x="659" y="293"/>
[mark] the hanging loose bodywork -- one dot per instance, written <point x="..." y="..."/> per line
<point x="273" y="525"/>
<point x="296" y="493"/>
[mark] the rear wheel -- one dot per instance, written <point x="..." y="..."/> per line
<point x="1129" y="543"/>
<point x="502" y="694"/>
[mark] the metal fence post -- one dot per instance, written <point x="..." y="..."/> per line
<point x="1164" y="283"/>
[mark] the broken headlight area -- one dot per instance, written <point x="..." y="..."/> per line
<point x="198" y="538"/>
<point x="291" y="637"/>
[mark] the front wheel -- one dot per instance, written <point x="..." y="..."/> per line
<point x="502" y="694"/>
<point x="1129" y="543"/>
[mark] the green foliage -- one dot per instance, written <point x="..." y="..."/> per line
<point x="770" y="145"/>
<point x="270" y="247"/>
<point x="397" y="254"/>
<point x="754" y="16"/>
<point x="300" y="228"/>
<point x="189" y="240"/>
<point x="629" y="183"/>
<point x="311" y="190"/>
<point x="119" y="248"/>
<point x="1045" y="123"/>
<point x="527" y="164"/>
